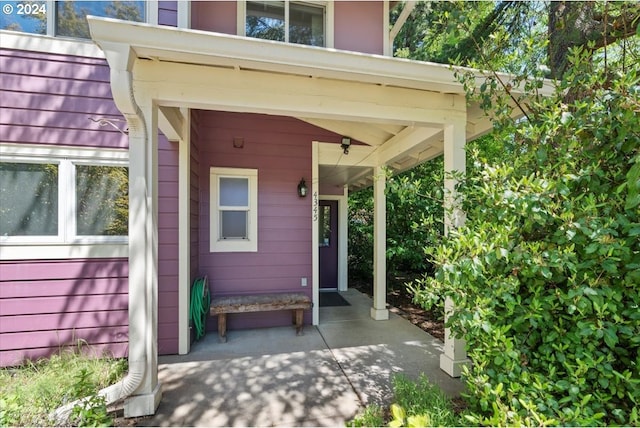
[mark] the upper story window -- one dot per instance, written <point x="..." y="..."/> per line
<point x="287" y="21"/>
<point x="66" y="18"/>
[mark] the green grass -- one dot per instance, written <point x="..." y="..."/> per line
<point x="416" y="403"/>
<point x="421" y="398"/>
<point x="28" y="393"/>
<point x="372" y="416"/>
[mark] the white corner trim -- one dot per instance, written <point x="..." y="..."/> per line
<point x="184" y="14"/>
<point x="241" y="11"/>
<point x="387" y="43"/>
<point x="153" y="11"/>
<point x="48" y="44"/>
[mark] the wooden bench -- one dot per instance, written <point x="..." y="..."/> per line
<point x="297" y="302"/>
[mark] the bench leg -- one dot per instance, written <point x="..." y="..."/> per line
<point x="299" y="313"/>
<point x="222" y="327"/>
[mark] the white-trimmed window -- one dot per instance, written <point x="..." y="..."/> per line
<point x="58" y="202"/>
<point x="234" y="210"/>
<point x="68" y="18"/>
<point x="301" y="22"/>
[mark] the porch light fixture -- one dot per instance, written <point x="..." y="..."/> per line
<point x="302" y="188"/>
<point x="346" y="143"/>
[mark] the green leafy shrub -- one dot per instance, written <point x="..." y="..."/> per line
<point x="92" y="410"/>
<point x="545" y="274"/>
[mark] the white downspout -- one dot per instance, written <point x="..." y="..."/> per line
<point x="120" y="59"/>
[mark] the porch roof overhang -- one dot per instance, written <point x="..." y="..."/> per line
<point x="396" y="107"/>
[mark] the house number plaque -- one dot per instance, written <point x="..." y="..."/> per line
<point x="315" y="206"/>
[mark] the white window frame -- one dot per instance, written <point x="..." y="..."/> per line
<point x="250" y="244"/>
<point x="66" y="244"/>
<point x="328" y="19"/>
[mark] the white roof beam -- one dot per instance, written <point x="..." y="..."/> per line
<point x="213" y="88"/>
<point x="172" y="123"/>
<point x="409" y="140"/>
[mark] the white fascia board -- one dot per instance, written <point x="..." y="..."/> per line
<point x="202" y="47"/>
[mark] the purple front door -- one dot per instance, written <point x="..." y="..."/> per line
<point x="328" y="244"/>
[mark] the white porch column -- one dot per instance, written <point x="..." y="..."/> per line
<point x="143" y="262"/>
<point x="184" y="233"/>
<point x="454" y="356"/>
<point x="343" y="240"/>
<point x="315" y="234"/>
<point x="379" y="310"/>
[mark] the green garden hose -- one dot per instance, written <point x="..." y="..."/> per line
<point x="200" y="302"/>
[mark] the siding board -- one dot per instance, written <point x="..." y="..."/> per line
<point x="57" y="338"/>
<point x="62" y="304"/>
<point x="168" y="13"/>
<point x="17" y="356"/>
<point x="24" y="323"/>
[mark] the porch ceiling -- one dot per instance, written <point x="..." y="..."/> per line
<point x="395" y="106"/>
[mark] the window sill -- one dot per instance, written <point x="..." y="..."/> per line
<point x="62" y="251"/>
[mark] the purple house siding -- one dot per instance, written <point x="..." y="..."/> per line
<point x="195" y="195"/>
<point x="218" y="16"/>
<point x="368" y="35"/>
<point x="47" y="99"/>
<point x="280" y="148"/>
<point x="45" y="305"/>
<point x="167" y="247"/>
<point x="168" y="13"/>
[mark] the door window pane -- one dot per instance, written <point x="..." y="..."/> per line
<point x="234" y="192"/>
<point x="265" y="20"/>
<point x="306" y="24"/>
<point x="325" y="225"/>
<point x="233" y="224"/>
<point x="102" y="200"/>
<point x="71" y="16"/>
<point x="28" y="199"/>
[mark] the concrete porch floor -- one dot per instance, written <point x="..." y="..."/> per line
<point x="271" y="377"/>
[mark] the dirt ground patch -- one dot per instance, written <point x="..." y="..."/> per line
<point x="401" y="303"/>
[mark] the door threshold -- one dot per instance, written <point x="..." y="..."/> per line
<point x="322" y="290"/>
